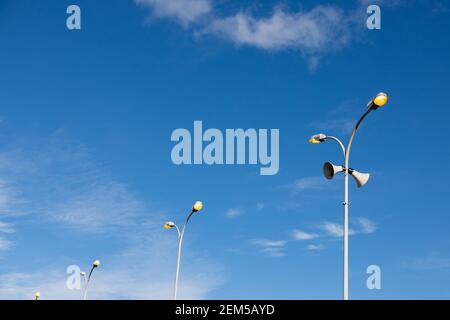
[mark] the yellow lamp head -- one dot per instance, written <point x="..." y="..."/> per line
<point x="198" y="205"/>
<point x="313" y="141"/>
<point x="96" y="264"/>
<point x="169" y="225"/>
<point x="317" y="138"/>
<point x="381" y="99"/>
<point x="37" y="295"/>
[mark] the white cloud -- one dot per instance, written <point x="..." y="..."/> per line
<point x="271" y="248"/>
<point x="313" y="32"/>
<point x="5" y="244"/>
<point x="308" y="183"/>
<point x="260" y="206"/>
<point x="300" y="235"/>
<point x="362" y="226"/>
<point x="62" y="184"/>
<point x="6" y="227"/>
<point x="269" y="243"/>
<point x="274" y="252"/>
<point x="434" y="261"/>
<point x="234" y="213"/>
<point x="144" y="271"/>
<point x="184" y="11"/>
<point x="335" y="229"/>
<point x="315" y="247"/>
<point x="341" y="125"/>
<point x="366" y="226"/>
<point x="321" y="29"/>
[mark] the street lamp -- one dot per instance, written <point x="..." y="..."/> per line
<point x="37" y="296"/>
<point x="95" y="265"/>
<point x="361" y="179"/>
<point x="198" y="205"/>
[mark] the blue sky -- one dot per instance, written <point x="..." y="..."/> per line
<point x="85" y="168"/>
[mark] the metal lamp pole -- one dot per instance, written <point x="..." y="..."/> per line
<point x="95" y="265"/>
<point x="169" y="225"/>
<point x="378" y="101"/>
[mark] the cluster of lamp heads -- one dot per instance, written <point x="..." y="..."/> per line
<point x="198" y="205"/>
<point x="329" y="169"/>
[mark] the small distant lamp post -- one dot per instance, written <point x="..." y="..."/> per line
<point x="170" y="225"/>
<point x="95" y="265"/>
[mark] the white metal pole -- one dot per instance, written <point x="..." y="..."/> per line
<point x="345" y="296"/>
<point x="346" y="203"/>
<point x="87" y="284"/>
<point x="177" y="274"/>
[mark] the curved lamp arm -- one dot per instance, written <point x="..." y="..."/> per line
<point x="350" y="141"/>
<point x="338" y="141"/>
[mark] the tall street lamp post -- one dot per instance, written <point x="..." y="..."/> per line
<point x="95" y="265"/>
<point x="330" y="170"/>
<point x="170" y="225"/>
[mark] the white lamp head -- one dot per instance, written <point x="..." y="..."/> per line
<point x="317" y="138"/>
<point x="198" y="205"/>
<point x="169" y="225"/>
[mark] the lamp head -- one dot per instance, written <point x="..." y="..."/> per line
<point x="96" y="264"/>
<point x="380" y="100"/>
<point x="198" y="205"/>
<point x="37" y="295"/>
<point x="317" y="138"/>
<point x="169" y="225"/>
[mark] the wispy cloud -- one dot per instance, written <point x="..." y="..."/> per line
<point x="6" y="227"/>
<point x="313" y="32"/>
<point x="440" y="8"/>
<point x="340" y="125"/>
<point x="272" y="248"/>
<point x="315" y="247"/>
<point x="309" y="31"/>
<point x="301" y="235"/>
<point x="234" y="213"/>
<point x="184" y="11"/>
<point x="365" y="225"/>
<point x="362" y="226"/>
<point x="63" y="185"/>
<point x="433" y="261"/>
<point x="144" y="270"/>
<point x="5" y="244"/>
<point x="308" y="184"/>
<point x="334" y="229"/>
